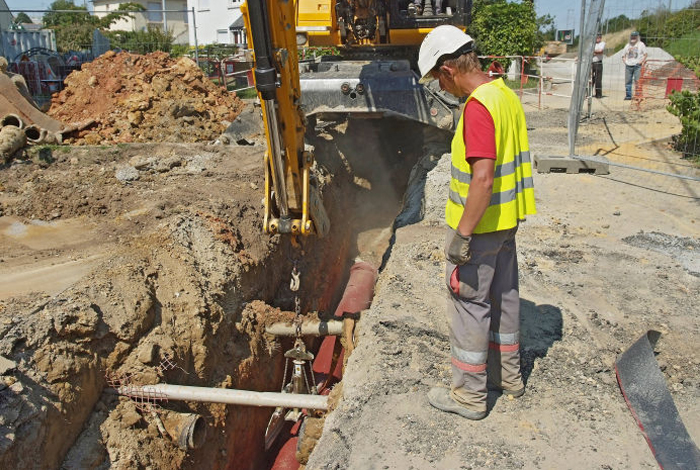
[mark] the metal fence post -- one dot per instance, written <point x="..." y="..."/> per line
<point x="196" y="45"/>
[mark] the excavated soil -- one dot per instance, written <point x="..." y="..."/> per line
<point x="143" y="98"/>
<point x="146" y="263"/>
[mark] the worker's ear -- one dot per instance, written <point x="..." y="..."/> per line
<point x="448" y="71"/>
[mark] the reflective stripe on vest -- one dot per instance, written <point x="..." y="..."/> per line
<point x="513" y="189"/>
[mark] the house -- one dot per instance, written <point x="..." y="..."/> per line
<point x="5" y="16"/>
<point x="175" y="21"/>
<point x="214" y="20"/>
<point x="238" y="31"/>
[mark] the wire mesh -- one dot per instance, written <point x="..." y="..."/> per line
<point x="646" y="122"/>
<point x="129" y="384"/>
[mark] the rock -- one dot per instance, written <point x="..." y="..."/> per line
<point x="168" y="164"/>
<point x="135" y="118"/>
<point x="197" y="164"/>
<point x="141" y="162"/>
<point x="6" y="365"/>
<point x="147" y="354"/>
<point x="127" y="173"/>
<point x="129" y="415"/>
<point x="92" y="81"/>
<point x="92" y="138"/>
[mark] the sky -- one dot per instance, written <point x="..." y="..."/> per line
<point x="566" y="13"/>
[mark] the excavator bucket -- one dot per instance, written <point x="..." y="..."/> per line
<point x="333" y="90"/>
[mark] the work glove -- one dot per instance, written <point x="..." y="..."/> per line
<point x="458" y="252"/>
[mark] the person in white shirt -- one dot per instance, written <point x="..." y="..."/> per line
<point x="633" y="55"/>
<point x="597" y="65"/>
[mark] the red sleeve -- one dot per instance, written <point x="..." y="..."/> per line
<point x="479" y="131"/>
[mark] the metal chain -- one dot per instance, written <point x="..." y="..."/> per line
<point x="306" y="378"/>
<point x="284" y="377"/>
<point x="294" y="285"/>
<point x="313" y="379"/>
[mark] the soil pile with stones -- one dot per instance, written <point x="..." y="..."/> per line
<point x="144" y="98"/>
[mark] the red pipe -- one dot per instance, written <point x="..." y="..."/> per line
<point x="357" y="297"/>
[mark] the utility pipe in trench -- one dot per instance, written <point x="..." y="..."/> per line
<point x="224" y="395"/>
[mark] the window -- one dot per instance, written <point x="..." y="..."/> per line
<point x="203" y="4"/>
<point x="222" y="36"/>
<point x="154" y="16"/>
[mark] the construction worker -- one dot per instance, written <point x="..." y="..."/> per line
<point x="490" y="192"/>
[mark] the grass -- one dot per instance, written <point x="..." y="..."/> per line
<point x="515" y="84"/>
<point x="247" y="94"/>
<point x="686" y="46"/>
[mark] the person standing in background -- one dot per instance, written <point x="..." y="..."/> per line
<point x="597" y="65"/>
<point x="633" y="55"/>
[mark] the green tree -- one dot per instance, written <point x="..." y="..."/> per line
<point x="613" y="25"/>
<point x="142" y="42"/>
<point x="74" y="30"/>
<point x="546" y="30"/>
<point x="22" y="17"/>
<point x="504" y="28"/>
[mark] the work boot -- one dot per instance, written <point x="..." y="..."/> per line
<point x="441" y="398"/>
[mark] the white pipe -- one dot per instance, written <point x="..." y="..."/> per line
<point x="312" y="328"/>
<point x="225" y="395"/>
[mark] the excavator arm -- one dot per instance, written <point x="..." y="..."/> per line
<point x="292" y="203"/>
<point x="367" y="80"/>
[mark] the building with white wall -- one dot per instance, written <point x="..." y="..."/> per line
<point x="175" y="21"/>
<point x="5" y="17"/>
<point x="214" y="20"/>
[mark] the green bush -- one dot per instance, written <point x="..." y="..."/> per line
<point x="686" y="105"/>
<point x="141" y="42"/>
<point x="504" y="28"/>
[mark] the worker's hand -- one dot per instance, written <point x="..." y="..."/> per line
<point x="458" y="252"/>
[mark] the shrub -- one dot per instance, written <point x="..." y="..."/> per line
<point x="686" y="105"/>
<point x="141" y="42"/>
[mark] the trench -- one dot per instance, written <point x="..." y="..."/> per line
<point x="369" y="169"/>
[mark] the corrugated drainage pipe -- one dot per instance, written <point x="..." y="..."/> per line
<point x="34" y="134"/>
<point x="39" y="136"/>
<point x="12" y="120"/>
<point x="12" y="139"/>
<point x="160" y="392"/>
<point x="189" y="430"/>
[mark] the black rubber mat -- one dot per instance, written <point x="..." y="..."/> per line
<point x="644" y="387"/>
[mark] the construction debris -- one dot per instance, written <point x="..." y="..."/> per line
<point x="144" y="98"/>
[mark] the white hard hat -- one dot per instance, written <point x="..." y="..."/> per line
<point x="444" y="40"/>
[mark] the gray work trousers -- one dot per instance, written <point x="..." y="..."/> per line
<point x="484" y="309"/>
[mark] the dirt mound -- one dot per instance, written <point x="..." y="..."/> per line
<point x="144" y="98"/>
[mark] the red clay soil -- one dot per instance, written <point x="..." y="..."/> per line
<point x="144" y="98"/>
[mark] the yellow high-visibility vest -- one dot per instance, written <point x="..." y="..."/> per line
<point x="513" y="191"/>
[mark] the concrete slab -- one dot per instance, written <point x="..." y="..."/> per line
<point x="559" y="164"/>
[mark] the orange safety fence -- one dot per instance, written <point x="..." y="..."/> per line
<point x="658" y="79"/>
